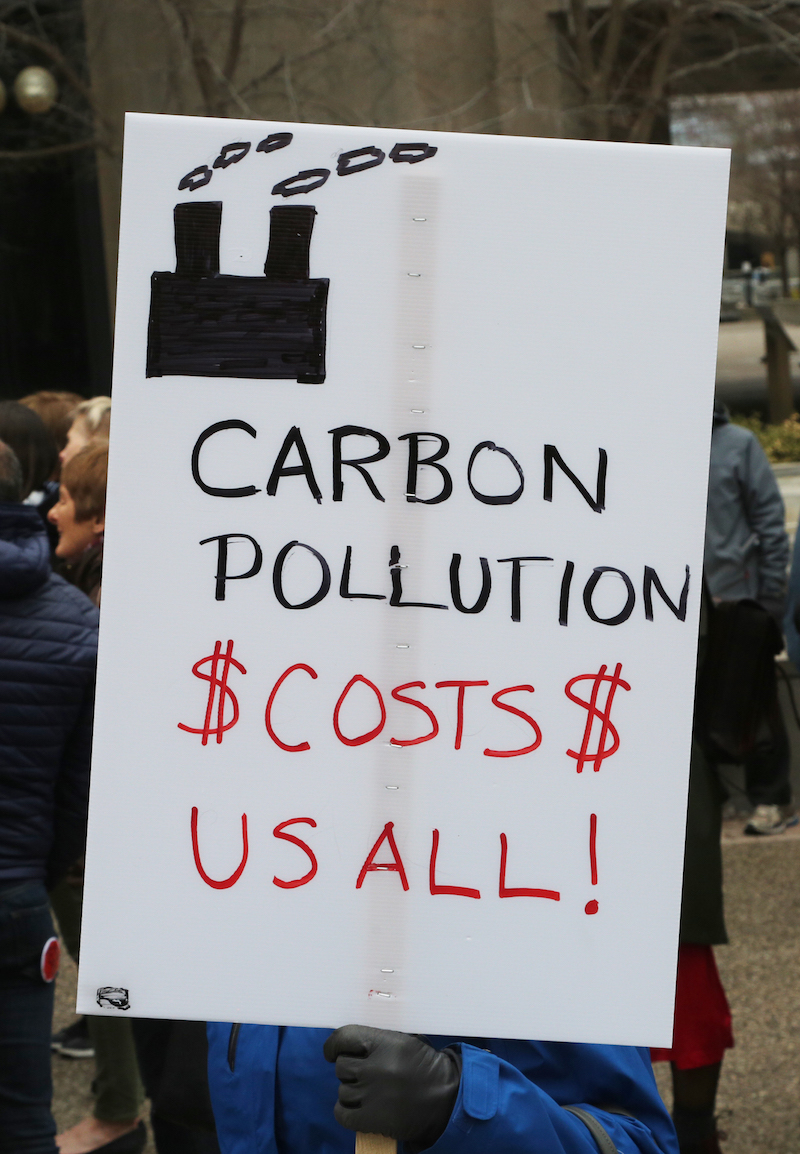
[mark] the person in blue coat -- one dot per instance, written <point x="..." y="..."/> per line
<point x="48" y="651"/>
<point x="290" y="1090"/>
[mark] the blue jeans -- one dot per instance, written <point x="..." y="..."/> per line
<point x="26" y="1014"/>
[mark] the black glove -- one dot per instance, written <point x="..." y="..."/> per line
<point x="393" y="1084"/>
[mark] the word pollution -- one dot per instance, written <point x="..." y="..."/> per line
<point x="397" y="598"/>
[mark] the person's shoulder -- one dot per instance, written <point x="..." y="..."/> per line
<point x="63" y="607"/>
<point x="734" y="446"/>
<point x="55" y="625"/>
<point x="734" y="435"/>
<point x="73" y="601"/>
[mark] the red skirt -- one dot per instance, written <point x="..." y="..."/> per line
<point x="702" y="1030"/>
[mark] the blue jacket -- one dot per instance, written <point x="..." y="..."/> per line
<point x="48" y="648"/>
<point x="274" y="1093"/>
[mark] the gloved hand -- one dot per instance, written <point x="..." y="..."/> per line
<point x="393" y="1084"/>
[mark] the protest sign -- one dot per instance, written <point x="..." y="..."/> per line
<point x="402" y="579"/>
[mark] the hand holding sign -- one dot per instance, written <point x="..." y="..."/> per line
<point x="393" y="1083"/>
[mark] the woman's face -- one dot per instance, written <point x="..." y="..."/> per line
<point x="78" y="438"/>
<point x="74" y="537"/>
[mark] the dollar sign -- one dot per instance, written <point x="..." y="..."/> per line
<point x="217" y="682"/>
<point x="607" y="729"/>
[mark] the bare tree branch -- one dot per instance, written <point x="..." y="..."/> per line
<point x="719" y="61"/>
<point x="643" y="124"/>
<point x="51" y="150"/>
<point x="647" y="48"/>
<point x="611" y="45"/>
<point x="198" y="54"/>
<point x="287" y="81"/>
<point x="235" y="39"/>
<point x="583" y="45"/>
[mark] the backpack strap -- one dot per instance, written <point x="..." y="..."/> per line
<point x="605" y="1143"/>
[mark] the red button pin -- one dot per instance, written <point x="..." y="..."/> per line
<point x="51" y="956"/>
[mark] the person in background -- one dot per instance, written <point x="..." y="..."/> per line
<point x="746" y="555"/>
<point x="55" y="410"/>
<point x="702" y="1024"/>
<point x="115" y="1127"/>
<point x="91" y="421"/>
<point x="48" y="649"/>
<point x="79" y="516"/>
<point x="25" y="432"/>
<point x="791" y="622"/>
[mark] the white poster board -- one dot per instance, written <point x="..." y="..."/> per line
<point x="381" y="740"/>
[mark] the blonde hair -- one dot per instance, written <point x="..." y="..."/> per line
<point x="95" y="414"/>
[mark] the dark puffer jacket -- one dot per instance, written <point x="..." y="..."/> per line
<point x="48" y="649"/>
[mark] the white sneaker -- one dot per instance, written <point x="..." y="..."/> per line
<point x="765" y="820"/>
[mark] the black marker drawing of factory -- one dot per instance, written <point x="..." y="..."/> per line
<point x="204" y="323"/>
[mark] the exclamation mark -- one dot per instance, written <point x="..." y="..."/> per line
<point x="592" y="907"/>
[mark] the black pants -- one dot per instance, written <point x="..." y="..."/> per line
<point x="173" y="1069"/>
<point x="767" y="767"/>
<point x="26" y="1015"/>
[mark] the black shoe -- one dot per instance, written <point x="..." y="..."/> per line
<point x="73" y="1041"/>
<point x="709" y="1145"/>
<point x="131" y="1143"/>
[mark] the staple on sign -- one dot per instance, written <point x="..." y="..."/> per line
<point x="419" y="218"/>
<point x="418" y="346"/>
<point x="387" y="971"/>
<point x="415" y="274"/>
<point x="402" y="646"/>
<point x="394" y="786"/>
<point x="416" y="411"/>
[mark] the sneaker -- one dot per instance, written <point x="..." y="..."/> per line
<point x="768" y="819"/>
<point x="73" y="1041"/>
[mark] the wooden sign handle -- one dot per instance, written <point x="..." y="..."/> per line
<point x="375" y="1144"/>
